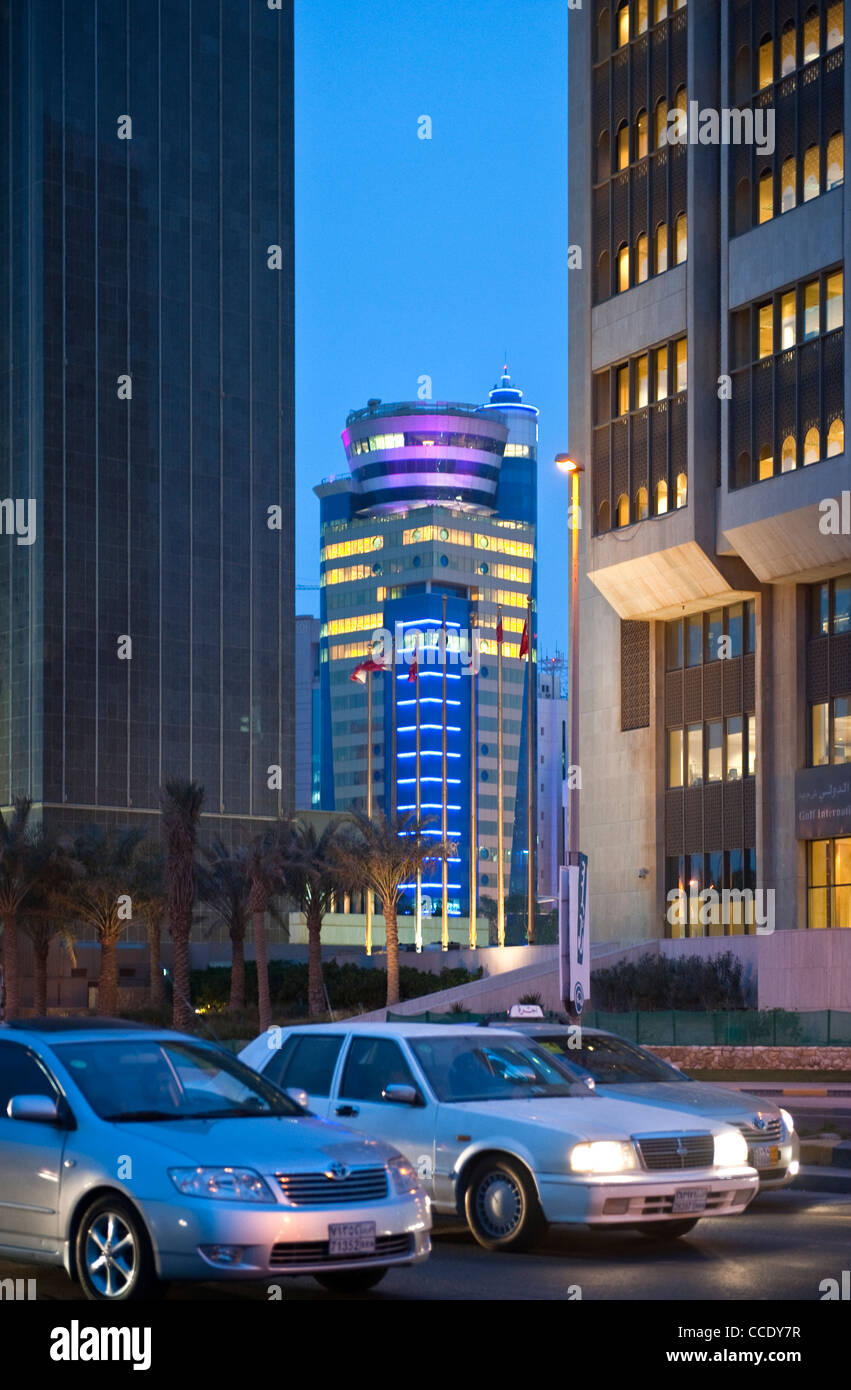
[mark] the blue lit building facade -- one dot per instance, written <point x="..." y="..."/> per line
<point x="438" y="502"/>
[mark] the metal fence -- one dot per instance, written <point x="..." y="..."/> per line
<point x="682" y="1028"/>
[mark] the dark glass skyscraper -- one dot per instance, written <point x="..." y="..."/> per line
<point x="146" y="404"/>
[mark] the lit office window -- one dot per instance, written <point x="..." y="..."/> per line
<point x="766" y="196"/>
<point x="788" y="460"/>
<point x="811" y="173"/>
<point x="714" y="633"/>
<point x="682" y="490"/>
<point x="660" y="497"/>
<point x="641" y="260"/>
<point x="675" y="757"/>
<point x="360" y="546"/>
<point x="660" y="11"/>
<point x="714" y="751"/>
<point x="765" y="321"/>
<point x="766" y="63"/>
<point x="660" y="122"/>
<point x="829" y="883"/>
<point x="811" y="36"/>
<point x="642" y="506"/>
<point x="835" y="162"/>
<point x="734" y="748"/>
<point x="641" y="135"/>
<point x="835" y="438"/>
<point x="622" y="511"/>
<point x="833" y="307"/>
<point x="661" y="373"/>
<point x="661" y="248"/>
<point x="787" y="320"/>
<point x="623" y="269"/>
<point x="765" y="462"/>
<point x="641" y="373"/>
<point x="750" y="722"/>
<point x="680" y="239"/>
<point x="641" y="8"/>
<point x="623" y="146"/>
<point x="623" y="24"/>
<point x="820" y="610"/>
<point x="841" y="741"/>
<point x="811" y="309"/>
<point x="788" y="60"/>
<point x="812" y="446"/>
<point x="694" y="755"/>
<point x="788" y="185"/>
<point x="835" y="25"/>
<point x="681" y="351"/>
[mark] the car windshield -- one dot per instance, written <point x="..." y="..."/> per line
<point x="161" y="1079"/>
<point x="608" y="1059"/>
<point x="475" y="1068"/>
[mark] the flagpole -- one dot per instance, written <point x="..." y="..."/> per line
<point x="500" y="832"/>
<point x="474" y="837"/>
<point x="531" y="771"/>
<point x="444" y="925"/>
<point x="369" y="800"/>
<point x="418" y="928"/>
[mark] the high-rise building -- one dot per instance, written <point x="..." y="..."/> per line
<point x="308" y="724"/>
<point x="146" y="405"/>
<point x="438" y="504"/>
<point x="551" y="739"/>
<point x="708" y="392"/>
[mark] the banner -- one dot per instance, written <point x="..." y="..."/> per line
<point x="574" y="956"/>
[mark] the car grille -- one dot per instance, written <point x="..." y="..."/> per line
<point x="772" y="1134"/>
<point x="664" y="1152"/>
<point x="318" y="1190"/>
<point x="315" y="1252"/>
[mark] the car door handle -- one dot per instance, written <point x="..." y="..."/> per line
<point x="347" y="1110"/>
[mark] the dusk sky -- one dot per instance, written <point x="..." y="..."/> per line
<point x="443" y="257"/>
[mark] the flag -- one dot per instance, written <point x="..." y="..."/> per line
<point x="499" y="631"/>
<point x="414" y="668"/>
<point x="361" y="670"/>
<point x="524" y="640"/>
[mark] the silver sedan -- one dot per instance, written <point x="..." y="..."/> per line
<point x="133" y="1156"/>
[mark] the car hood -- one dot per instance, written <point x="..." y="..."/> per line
<point x="697" y="1097"/>
<point x="276" y="1144"/>
<point x="591" y="1117"/>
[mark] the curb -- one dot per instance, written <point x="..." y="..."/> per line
<point x="822" y="1180"/>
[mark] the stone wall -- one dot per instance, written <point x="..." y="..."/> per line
<point x="757" y="1058"/>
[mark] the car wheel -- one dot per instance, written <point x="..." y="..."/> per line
<point x="350" y="1280"/>
<point x="115" y="1263"/>
<point x="502" y="1206"/>
<point x="667" y="1230"/>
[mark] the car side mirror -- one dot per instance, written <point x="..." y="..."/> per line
<point x="40" y="1109"/>
<point x="299" y="1096"/>
<point x="401" y="1095"/>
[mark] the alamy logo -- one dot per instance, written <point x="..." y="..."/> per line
<point x="17" y="518"/>
<point x="17" y="1290"/>
<point x="76" y="1343"/>
<point x="729" y="907"/>
<point x="729" y="126"/>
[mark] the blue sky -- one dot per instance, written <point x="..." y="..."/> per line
<point x="436" y="256"/>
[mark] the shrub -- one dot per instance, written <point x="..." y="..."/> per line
<point x="655" y="982"/>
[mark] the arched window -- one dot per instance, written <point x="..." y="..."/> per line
<point x="811" y="173"/>
<point x="743" y="470"/>
<point x="660" y="123"/>
<point x="623" y="24"/>
<point x="742" y="80"/>
<point x="744" y="211"/>
<point x="766" y="196"/>
<point x="603" y="517"/>
<point x="812" y="446"/>
<point x="642" y="508"/>
<point x="682" y="490"/>
<point x="641" y="144"/>
<point x="604" y="276"/>
<point x="788" y="185"/>
<point x="835" y="161"/>
<point x="604" y="30"/>
<point x="680" y="239"/>
<point x="835" y="25"/>
<point x="623" y="268"/>
<point x="661" y="248"/>
<point x="623" y="510"/>
<point x="641" y="262"/>
<point x="788" y="56"/>
<point x="641" y="7"/>
<point x="604" y="158"/>
<point x="765" y="464"/>
<point x="765" y="71"/>
<point x="811" y="26"/>
<point x="623" y="145"/>
<point x="660" y="11"/>
<point x="660" y="497"/>
<point x="835" y="438"/>
<point x="788" y="454"/>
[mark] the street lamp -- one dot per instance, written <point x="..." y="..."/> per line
<point x="566" y="464"/>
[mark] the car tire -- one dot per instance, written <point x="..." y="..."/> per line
<point x="350" y="1280"/>
<point x="667" y="1230"/>
<point x="502" y="1207"/>
<point x="113" y="1254"/>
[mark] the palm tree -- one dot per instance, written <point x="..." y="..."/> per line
<point x="224" y="885"/>
<point x="150" y="899"/>
<point x="262" y="859"/>
<point x="104" y="869"/>
<point x="27" y="865"/>
<point x="41" y="928"/>
<point x="181" y="804"/>
<point x="384" y="854"/>
<point x="312" y="874"/>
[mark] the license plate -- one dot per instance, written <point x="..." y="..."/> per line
<point x="690" y="1199"/>
<point x="766" y="1155"/>
<point x="351" y="1238"/>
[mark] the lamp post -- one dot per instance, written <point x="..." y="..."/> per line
<point x="568" y="465"/>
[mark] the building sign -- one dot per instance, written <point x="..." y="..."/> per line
<point x="823" y="802"/>
<point x="574" y="942"/>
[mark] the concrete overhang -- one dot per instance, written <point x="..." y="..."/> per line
<point x="664" y="584"/>
<point x="774" y="526"/>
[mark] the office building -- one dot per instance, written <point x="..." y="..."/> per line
<point x="552" y="741"/>
<point x="308" y="735"/>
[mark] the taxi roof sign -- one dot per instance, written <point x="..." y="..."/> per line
<point x="525" y="1011"/>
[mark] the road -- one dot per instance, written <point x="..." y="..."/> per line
<point x="781" y="1249"/>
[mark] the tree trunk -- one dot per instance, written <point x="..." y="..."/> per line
<point x="108" y="980"/>
<point x="264" y="1007"/>
<point x="391" y="933"/>
<point x="237" y="972"/>
<point x="315" y="992"/>
<point x="181" y="1007"/>
<point x="155" y="962"/>
<point x="10" y="966"/>
<point x="41" y="950"/>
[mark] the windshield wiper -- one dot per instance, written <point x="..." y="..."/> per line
<point x="238" y="1111"/>
<point x="145" y="1115"/>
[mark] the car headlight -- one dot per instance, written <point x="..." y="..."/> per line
<point x="788" y="1122"/>
<point x="403" y="1176"/>
<point x="731" y="1149"/>
<point x="226" y="1184"/>
<point x="603" y="1156"/>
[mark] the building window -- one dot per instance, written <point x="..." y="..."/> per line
<point x="788" y="57"/>
<point x="674" y="645"/>
<point x="835" y="438"/>
<point x="681" y="350"/>
<point x="661" y="248"/>
<point x="694" y="755"/>
<point x="765" y="329"/>
<point x="811" y="173"/>
<point x="680" y="239"/>
<point x="623" y="146"/>
<point x="623" y="510"/>
<point x="682" y="490"/>
<point x="675" y="757"/>
<point x="694" y="639"/>
<point x="835" y="162"/>
<point x="641" y="135"/>
<point x="812" y="446"/>
<point x="788" y="185"/>
<point x="623" y="24"/>
<point x="766" y="63"/>
<point x="834" y="301"/>
<point x="787" y="320"/>
<point x="660" y="497"/>
<point x="642" y="507"/>
<point x="734" y="749"/>
<point x="829" y="883"/>
<point x="835" y="25"/>
<point x="766" y="196"/>
<point x="661" y="373"/>
<point x="641" y="263"/>
<point x="714" y="751"/>
<point x="661" y="122"/>
<point x="811" y="37"/>
<point x="623" y="390"/>
<point x="787" y="454"/>
<point x="623" y="269"/>
<point x="641" y="373"/>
